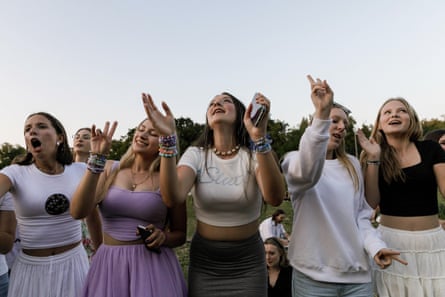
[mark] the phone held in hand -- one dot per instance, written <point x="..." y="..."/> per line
<point x="258" y="112"/>
<point x="144" y="233"/>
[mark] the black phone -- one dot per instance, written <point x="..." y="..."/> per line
<point x="145" y="233"/>
<point x="258" y="112"/>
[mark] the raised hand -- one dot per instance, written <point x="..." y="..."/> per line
<point x="370" y="146"/>
<point x="101" y="140"/>
<point x="322" y="97"/>
<point x="164" y="124"/>
<point x="256" y="132"/>
<point x="384" y="258"/>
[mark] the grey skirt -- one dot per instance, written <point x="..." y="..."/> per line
<point x="227" y="268"/>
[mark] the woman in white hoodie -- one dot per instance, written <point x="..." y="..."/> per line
<point x="332" y="236"/>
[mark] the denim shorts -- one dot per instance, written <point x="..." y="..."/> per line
<point x="303" y="286"/>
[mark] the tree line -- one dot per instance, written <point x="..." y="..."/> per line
<point x="284" y="138"/>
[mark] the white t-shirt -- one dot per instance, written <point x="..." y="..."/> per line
<point x="42" y="205"/>
<point x="268" y="228"/>
<point x="226" y="194"/>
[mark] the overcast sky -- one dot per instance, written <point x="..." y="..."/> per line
<point x="88" y="61"/>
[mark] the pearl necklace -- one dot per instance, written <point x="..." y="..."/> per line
<point x="228" y="153"/>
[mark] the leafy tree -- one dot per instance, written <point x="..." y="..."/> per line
<point x="432" y="124"/>
<point x="187" y="132"/>
<point x="8" y="152"/>
<point x="119" y="147"/>
<point x="277" y="131"/>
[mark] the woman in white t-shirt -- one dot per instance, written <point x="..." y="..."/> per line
<point x="52" y="262"/>
<point x="229" y="176"/>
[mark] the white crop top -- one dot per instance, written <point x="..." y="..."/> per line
<point x="42" y="205"/>
<point x="226" y="194"/>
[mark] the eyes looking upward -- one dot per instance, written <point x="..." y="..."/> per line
<point x="220" y="101"/>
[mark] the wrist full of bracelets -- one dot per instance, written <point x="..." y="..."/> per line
<point x="96" y="163"/>
<point x="262" y="145"/>
<point x="167" y="146"/>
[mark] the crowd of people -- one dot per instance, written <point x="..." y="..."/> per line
<point x="90" y="226"/>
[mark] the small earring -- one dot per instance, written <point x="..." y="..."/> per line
<point x="58" y="143"/>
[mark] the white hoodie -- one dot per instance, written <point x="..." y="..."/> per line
<point x="332" y="236"/>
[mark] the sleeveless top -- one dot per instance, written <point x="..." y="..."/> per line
<point x="123" y="210"/>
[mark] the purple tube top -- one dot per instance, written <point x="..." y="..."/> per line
<point x="123" y="210"/>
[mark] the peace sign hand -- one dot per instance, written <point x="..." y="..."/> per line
<point x="101" y="140"/>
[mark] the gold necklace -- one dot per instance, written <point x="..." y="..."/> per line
<point x="227" y="153"/>
<point x="135" y="184"/>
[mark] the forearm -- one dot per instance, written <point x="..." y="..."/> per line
<point x="6" y="242"/>
<point x="169" y="181"/>
<point x="94" y="225"/>
<point x="84" y="202"/>
<point x="174" y="238"/>
<point x="372" y="192"/>
<point x="8" y="225"/>
<point x="270" y="179"/>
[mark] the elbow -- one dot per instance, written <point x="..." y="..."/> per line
<point x="76" y="214"/>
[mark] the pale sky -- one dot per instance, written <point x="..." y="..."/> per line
<point x="88" y="61"/>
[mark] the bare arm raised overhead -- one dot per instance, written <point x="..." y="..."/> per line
<point x="85" y="197"/>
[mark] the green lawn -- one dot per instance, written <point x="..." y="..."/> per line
<point x="182" y="252"/>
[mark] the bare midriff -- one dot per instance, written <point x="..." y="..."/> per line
<point x="50" y="251"/>
<point x="113" y="241"/>
<point x="235" y="233"/>
<point x="410" y="223"/>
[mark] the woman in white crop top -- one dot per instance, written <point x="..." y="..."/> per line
<point x="52" y="263"/>
<point x="229" y="176"/>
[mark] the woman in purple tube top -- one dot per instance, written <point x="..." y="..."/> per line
<point x="128" y="196"/>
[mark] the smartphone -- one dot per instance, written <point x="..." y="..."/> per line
<point x="144" y="233"/>
<point x="258" y="111"/>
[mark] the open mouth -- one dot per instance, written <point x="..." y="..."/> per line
<point x="35" y="143"/>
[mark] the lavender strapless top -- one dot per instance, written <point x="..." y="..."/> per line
<point x="123" y="210"/>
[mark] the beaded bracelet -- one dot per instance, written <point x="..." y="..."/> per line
<point x="96" y="163"/>
<point x="167" y="141"/>
<point x="373" y="162"/>
<point x="168" y="152"/>
<point x="167" y="146"/>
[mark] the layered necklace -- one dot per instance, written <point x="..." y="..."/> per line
<point x="226" y="153"/>
<point x="134" y="183"/>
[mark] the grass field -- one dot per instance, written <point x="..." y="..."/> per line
<point x="183" y="251"/>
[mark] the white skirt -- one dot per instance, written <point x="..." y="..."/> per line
<point x="62" y="275"/>
<point x="425" y="273"/>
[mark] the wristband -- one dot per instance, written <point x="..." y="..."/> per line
<point x="373" y="162"/>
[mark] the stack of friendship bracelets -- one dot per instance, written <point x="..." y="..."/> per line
<point x="262" y="145"/>
<point x="96" y="162"/>
<point x="167" y="146"/>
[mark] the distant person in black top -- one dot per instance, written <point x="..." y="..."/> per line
<point x="279" y="278"/>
